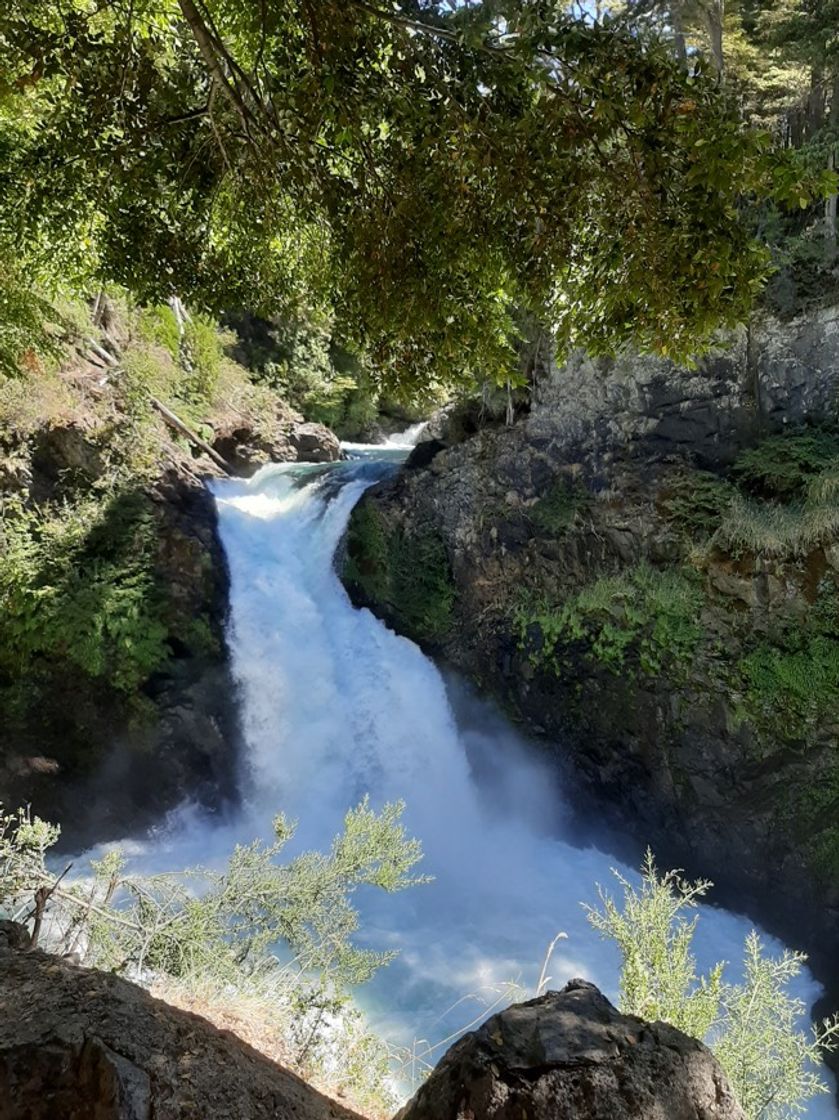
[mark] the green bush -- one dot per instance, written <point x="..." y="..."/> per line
<point x="782" y="465"/>
<point x="158" y="326"/>
<point x="752" y="1027"/>
<point x="695" y="502"/>
<point x="644" y="615"/>
<point x="558" y="509"/>
<point x="202" y="358"/>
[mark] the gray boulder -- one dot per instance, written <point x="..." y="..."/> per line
<point x="571" y="1055"/>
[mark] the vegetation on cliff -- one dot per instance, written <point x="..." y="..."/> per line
<point x="85" y="585"/>
<point x="408" y="574"/>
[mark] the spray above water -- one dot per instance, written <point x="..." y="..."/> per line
<point x="336" y="706"/>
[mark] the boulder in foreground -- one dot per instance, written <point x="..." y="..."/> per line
<point x="571" y="1055"/>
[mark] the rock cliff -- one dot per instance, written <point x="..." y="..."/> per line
<point x="644" y="571"/>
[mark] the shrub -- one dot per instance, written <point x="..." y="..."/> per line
<point x="782" y="465"/>
<point x="645" y="613"/>
<point x="752" y="1027"/>
<point x="158" y="326"/>
<point x="780" y="530"/>
<point x="558" y="509"/>
<point x="202" y="357"/>
<point x="213" y="935"/>
<point x="696" y="501"/>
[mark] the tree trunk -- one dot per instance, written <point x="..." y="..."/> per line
<point x="830" y="206"/>
<point x="714" y="14"/>
<point x="209" y="52"/>
<point x="678" y="31"/>
<point x="815" y="103"/>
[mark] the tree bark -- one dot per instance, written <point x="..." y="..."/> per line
<point x="713" y="12"/>
<point x="678" y="31"/>
<point x="830" y="206"/>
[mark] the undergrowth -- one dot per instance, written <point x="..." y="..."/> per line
<point x="78" y="584"/>
<point x="559" y="508"/>
<point x="791" y="677"/>
<point x="780" y="499"/>
<point x="643" y="617"/>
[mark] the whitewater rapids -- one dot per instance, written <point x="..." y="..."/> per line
<point x="335" y="706"/>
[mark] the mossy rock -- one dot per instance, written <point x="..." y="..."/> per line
<point x="407" y="575"/>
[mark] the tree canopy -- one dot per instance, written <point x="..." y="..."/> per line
<point x="434" y="175"/>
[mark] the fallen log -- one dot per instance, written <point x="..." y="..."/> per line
<point x="179" y="426"/>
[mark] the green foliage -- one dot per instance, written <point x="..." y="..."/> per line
<point x="24" y="842"/>
<point x="202" y="355"/>
<point x="786" y="504"/>
<point x="643" y="616"/>
<point x="158" y="326"/>
<point x="216" y="935"/>
<point x="781" y="466"/>
<point x="777" y="530"/>
<point x="696" y="501"/>
<point x="409" y="574"/>
<point x="658" y="969"/>
<point x="30" y="326"/>
<point x="78" y="584"/>
<point x="558" y="509"/>
<point x="752" y="1027"/>
<point x="792" y="677"/>
<point x="398" y="171"/>
<point x="303" y="361"/>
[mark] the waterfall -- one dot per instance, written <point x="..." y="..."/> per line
<point x="335" y="706"/>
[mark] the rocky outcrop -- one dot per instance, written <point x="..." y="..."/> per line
<point x="246" y="446"/>
<point x="76" y="1044"/>
<point x="688" y="685"/>
<point x="571" y="1055"/>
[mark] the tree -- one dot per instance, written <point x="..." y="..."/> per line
<point x="433" y="173"/>
<point x="752" y="1027"/>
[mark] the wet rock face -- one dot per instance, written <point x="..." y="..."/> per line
<point x="582" y="489"/>
<point x="76" y="1044"/>
<point x="571" y="1055"/>
<point x="315" y="443"/>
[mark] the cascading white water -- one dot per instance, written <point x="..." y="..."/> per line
<point x="336" y="705"/>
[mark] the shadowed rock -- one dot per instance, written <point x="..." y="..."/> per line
<point x="571" y="1055"/>
<point x="76" y="1044"/>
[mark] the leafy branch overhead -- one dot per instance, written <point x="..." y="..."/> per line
<point x="432" y="173"/>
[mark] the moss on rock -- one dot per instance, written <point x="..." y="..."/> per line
<point x="408" y="575"/>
